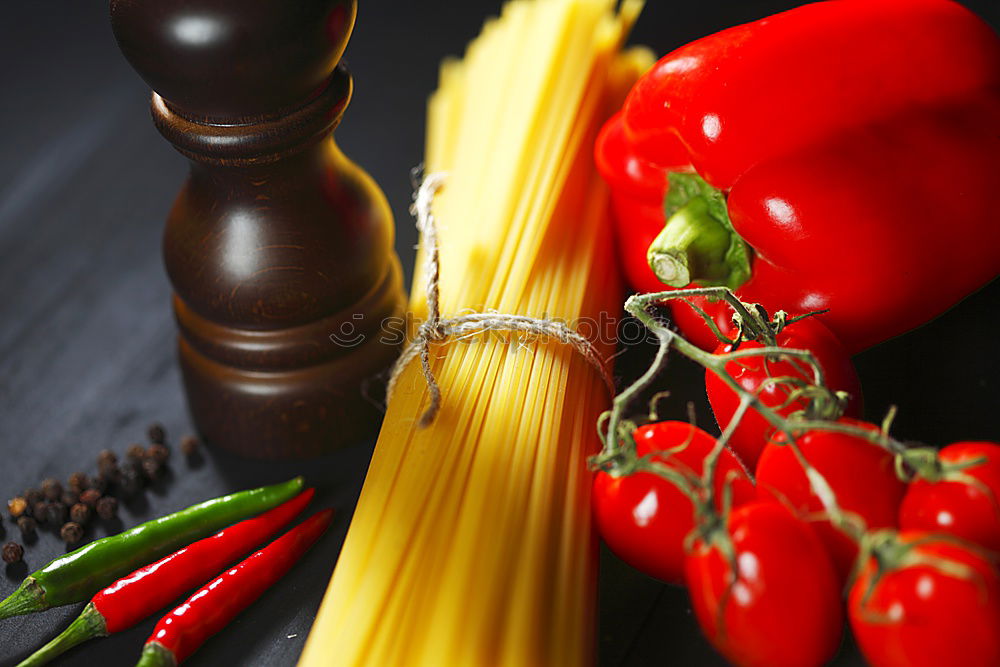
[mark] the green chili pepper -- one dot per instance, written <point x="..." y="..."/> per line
<point x="79" y="574"/>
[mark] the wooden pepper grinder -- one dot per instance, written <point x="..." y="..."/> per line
<point x="278" y="247"/>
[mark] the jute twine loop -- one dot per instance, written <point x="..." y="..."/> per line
<point x="436" y="329"/>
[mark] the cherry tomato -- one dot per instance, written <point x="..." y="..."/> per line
<point x="918" y="615"/>
<point x="642" y="517"/>
<point x="753" y="431"/>
<point x="784" y="606"/>
<point x="967" y="508"/>
<point x="861" y="474"/>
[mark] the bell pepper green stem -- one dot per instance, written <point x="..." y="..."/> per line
<point x="698" y="243"/>
<point x="88" y="625"/>
<point x="692" y="246"/>
<point x="81" y="573"/>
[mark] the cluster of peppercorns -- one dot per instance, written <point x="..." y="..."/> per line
<point x="69" y="509"/>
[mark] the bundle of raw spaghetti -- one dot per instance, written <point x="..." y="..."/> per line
<point x="471" y="542"/>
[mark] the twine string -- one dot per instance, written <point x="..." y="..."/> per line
<point x="436" y="329"/>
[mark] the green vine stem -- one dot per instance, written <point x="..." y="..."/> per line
<point x="891" y="553"/>
<point x="641" y="307"/>
<point x="618" y="456"/>
<point x="911" y="462"/>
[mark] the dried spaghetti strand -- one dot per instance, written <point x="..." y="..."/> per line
<point x="471" y="542"/>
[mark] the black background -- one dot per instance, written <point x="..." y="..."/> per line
<point x="86" y="336"/>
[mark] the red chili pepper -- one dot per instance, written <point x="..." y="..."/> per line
<point x="181" y="632"/>
<point x="856" y="141"/>
<point x="134" y="597"/>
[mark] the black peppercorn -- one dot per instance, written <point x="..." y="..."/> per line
<point x="107" y="507"/>
<point x="80" y="513"/>
<point x="131" y="480"/>
<point x="69" y="498"/>
<point x="158" y="453"/>
<point x="132" y="461"/>
<point x="56" y="513"/>
<point x="40" y="511"/>
<point x="157" y="434"/>
<point x="108" y="474"/>
<point x="152" y="469"/>
<point x="27" y="526"/>
<point x="12" y="552"/>
<point x="105" y="457"/>
<point x="52" y="489"/>
<point x="32" y="496"/>
<point x="17" y="507"/>
<point x="100" y="483"/>
<point x="90" y="497"/>
<point x="189" y="445"/>
<point x="135" y="452"/>
<point x="79" y="482"/>
<point x="71" y="532"/>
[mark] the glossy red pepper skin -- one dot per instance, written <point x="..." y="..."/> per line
<point x="77" y="575"/>
<point x="181" y="632"/>
<point x="637" y="191"/>
<point x="133" y="598"/>
<point x="857" y="142"/>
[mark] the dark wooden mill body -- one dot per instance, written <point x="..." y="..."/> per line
<point x="278" y="247"/>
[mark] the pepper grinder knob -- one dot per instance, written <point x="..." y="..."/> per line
<point x="225" y="59"/>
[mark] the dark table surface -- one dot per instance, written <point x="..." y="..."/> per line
<point x="87" y="338"/>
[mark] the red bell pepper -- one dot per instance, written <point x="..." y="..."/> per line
<point x="843" y="155"/>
